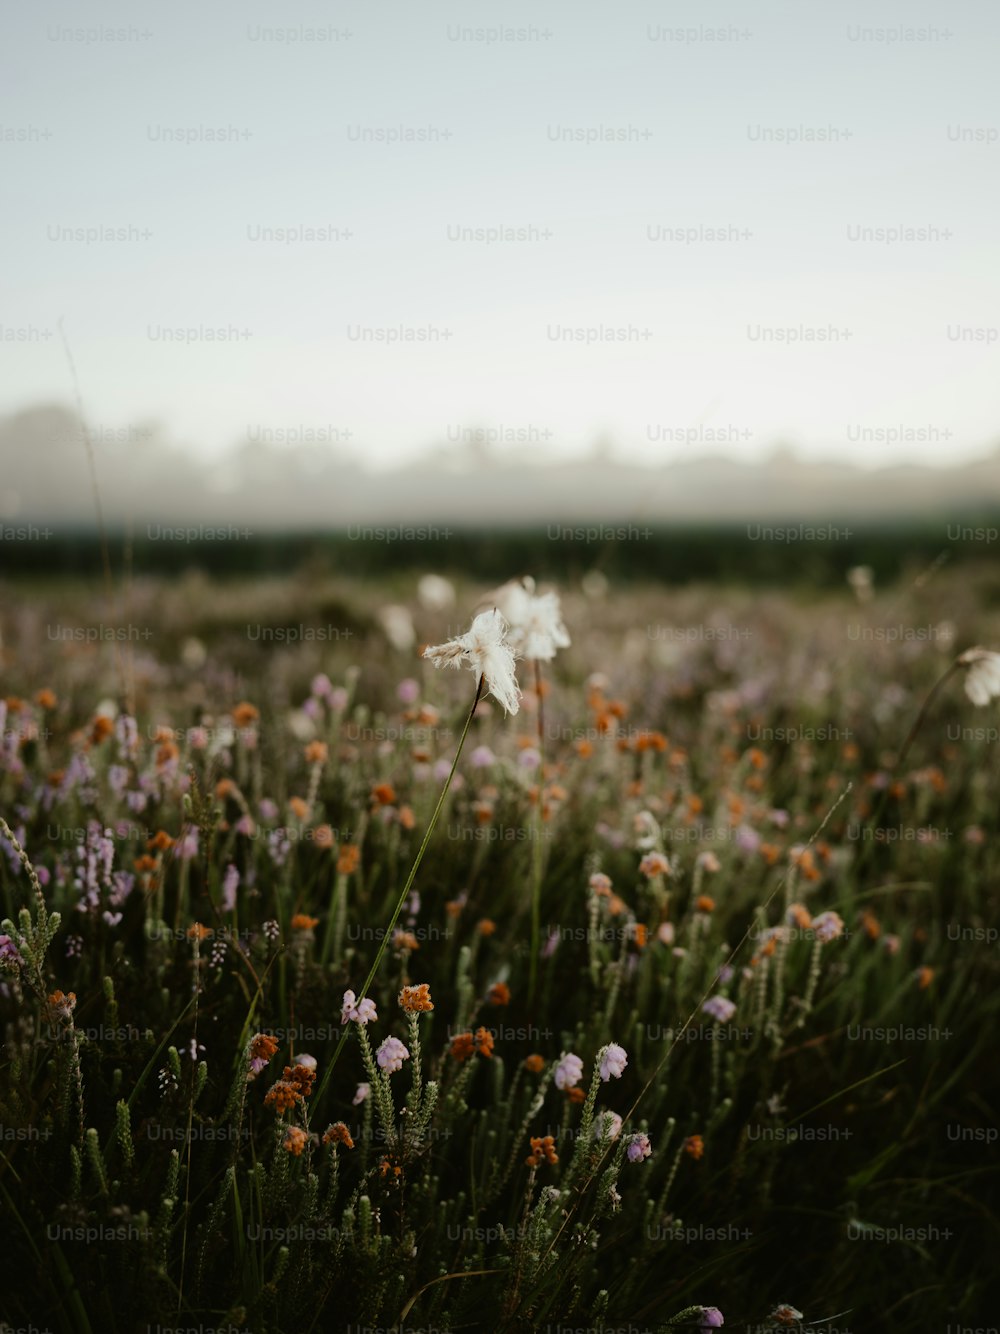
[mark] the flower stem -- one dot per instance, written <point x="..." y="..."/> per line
<point x="386" y="935"/>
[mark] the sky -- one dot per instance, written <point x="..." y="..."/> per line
<point x="677" y="228"/>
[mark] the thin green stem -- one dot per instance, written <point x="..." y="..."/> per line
<point x="387" y="934"/>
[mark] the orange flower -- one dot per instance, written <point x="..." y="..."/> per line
<point x="384" y="794"/>
<point x="871" y="924"/>
<point x="295" y="1140"/>
<point x="583" y="748"/>
<point x="406" y="817"/>
<point x="262" y="1047"/>
<point x="454" y="906"/>
<point x="694" y="1146"/>
<point x="323" y="836"/>
<point x="543" y="1146"/>
<point x="316" y="752"/>
<point x="770" y="852"/>
<point x="640" y="934"/>
<point x="799" y="915"/>
<point x="294" y="1085"/>
<point x="387" y="1168"/>
<point x="244" y="714"/>
<point x="100" y="730"/>
<point x="302" y="922"/>
<point x="46" y="699"/>
<point x="161" y="840"/>
<point x="499" y="994"/>
<point x="299" y="808"/>
<point x="225" y="787"/>
<point x="404" y="940"/>
<point x="575" y="1095"/>
<point x="484" y="1042"/>
<point x="145" y="862"/>
<point x="462" y="1046"/>
<point x="350" y="856"/>
<point x="534" y="1063"/>
<point x="486" y="927"/>
<point x="63" y="1003"/>
<point x="704" y="903"/>
<point x="416" y="999"/>
<point x="756" y="757"/>
<point x="925" y="976"/>
<point x="198" y="932"/>
<point x="165" y="753"/>
<point x="338" y="1133"/>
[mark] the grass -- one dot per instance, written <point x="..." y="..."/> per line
<point x="831" y="1145"/>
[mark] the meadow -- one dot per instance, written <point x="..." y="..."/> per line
<point x="687" y="1014"/>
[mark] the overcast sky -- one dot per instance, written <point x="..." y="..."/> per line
<point x="652" y="279"/>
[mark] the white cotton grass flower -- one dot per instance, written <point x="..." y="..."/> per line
<point x="536" y="625"/>
<point x="982" y="678"/>
<point x="487" y="651"/>
<point x="397" y="624"/>
<point x="435" y="593"/>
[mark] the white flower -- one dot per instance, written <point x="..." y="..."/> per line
<point x="536" y="626"/>
<point x="982" y="680"/>
<point x="612" y="1060"/>
<point x="486" y="650"/>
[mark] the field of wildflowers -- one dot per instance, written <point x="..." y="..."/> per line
<point x="641" y="973"/>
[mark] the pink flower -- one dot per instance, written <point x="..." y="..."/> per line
<point x="612" y="1061"/>
<point x="360" y="1093"/>
<point x="711" y="1317"/>
<point x="607" y="1123"/>
<point x="358" y="1012"/>
<point x="639" y="1148"/>
<point x="391" y="1055"/>
<point x="569" y="1071"/>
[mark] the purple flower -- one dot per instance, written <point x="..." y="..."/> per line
<point x="569" y="1071"/>
<point x="391" y="1055"/>
<point x="408" y="691"/>
<point x="639" y="1148"/>
<point x="360" y="1094"/>
<point x="320" y="686"/>
<point x="267" y="809"/>
<point x="748" y="840"/>
<point x="230" y="884"/>
<point x="827" y="926"/>
<point x="711" y="1317"/>
<point x="338" y="699"/>
<point x="8" y="951"/>
<point x="612" y="1061"/>
<point x="482" y="757"/>
<point x="720" y="1008"/>
<point x="529" y="758"/>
